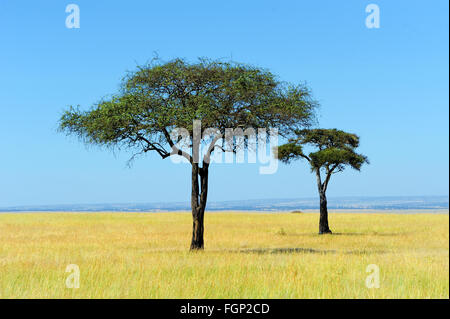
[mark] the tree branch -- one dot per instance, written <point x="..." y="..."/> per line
<point x="305" y="157"/>
<point x="212" y="146"/>
<point x="329" y="173"/>
<point x="319" y="180"/>
<point x="176" y="150"/>
<point x="152" y="147"/>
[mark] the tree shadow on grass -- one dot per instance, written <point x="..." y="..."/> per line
<point x="344" y="234"/>
<point x="369" y="234"/>
<point x="287" y="250"/>
<point x="291" y="250"/>
<point x="280" y="250"/>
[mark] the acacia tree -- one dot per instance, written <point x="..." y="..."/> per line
<point x="334" y="150"/>
<point x="160" y="97"/>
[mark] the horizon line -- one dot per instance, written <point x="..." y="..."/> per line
<point x="212" y="202"/>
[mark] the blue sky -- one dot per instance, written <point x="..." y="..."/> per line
<point x="389" y="85"/>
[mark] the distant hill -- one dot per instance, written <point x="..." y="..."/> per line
<point x="383" y="203"/>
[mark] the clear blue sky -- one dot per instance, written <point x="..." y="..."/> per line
<point x="389" y="85"/>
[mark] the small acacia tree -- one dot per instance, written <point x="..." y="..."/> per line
<point x="160" y="97"/>
<point x="335" y="150"/>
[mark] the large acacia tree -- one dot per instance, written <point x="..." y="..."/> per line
<point x="333" y="151"/>
<point x="161" y="97"/>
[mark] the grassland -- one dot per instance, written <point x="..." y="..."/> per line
<point x="247" y="255"/>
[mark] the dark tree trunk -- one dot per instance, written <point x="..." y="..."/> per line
<point x="198" y="204"/>
<point x="323" y="222"/>
<point x="197" y="229"/>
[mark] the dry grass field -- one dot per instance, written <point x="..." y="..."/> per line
<point x="247" y="255"/>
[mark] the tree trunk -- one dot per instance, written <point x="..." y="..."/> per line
<point x="198" y="204"/>
<point x="323" y="222"/>
<point x="197" y="229"/>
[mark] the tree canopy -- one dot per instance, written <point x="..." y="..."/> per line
<point x="335" y="149"/>
<point x="162" y="96"/>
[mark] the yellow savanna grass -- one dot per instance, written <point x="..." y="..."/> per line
<point x="247" y="255"/>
